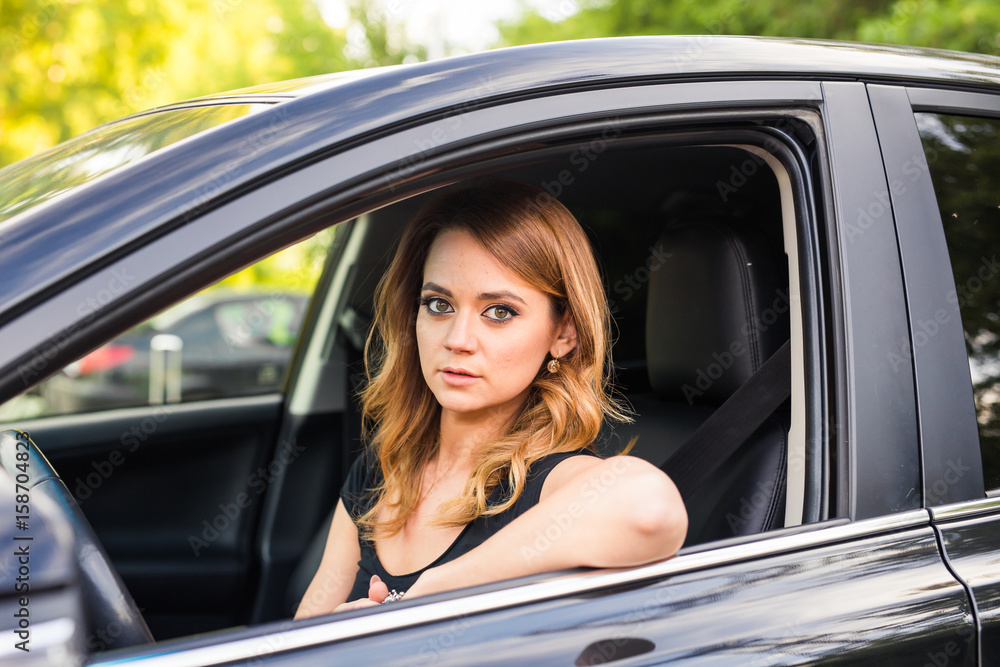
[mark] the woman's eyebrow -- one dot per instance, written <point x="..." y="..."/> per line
<point x="502" y="294"/>
<point x="434" y="287"/>
<point x="482" y="296"/>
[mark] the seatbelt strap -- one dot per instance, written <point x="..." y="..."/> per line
<point x="732" y="424"/>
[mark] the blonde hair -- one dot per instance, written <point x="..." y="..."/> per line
<point x="539" y="241"/>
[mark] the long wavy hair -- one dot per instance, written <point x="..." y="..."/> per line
<point x="538" y="240"/>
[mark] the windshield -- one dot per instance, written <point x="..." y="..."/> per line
<point x="45" y="176"/>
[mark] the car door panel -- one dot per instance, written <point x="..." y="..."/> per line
<point x="173" y="492"/>
<point x="970" y="534"/>
<point x="869" y="591"/>
<point x="842" y="604"/>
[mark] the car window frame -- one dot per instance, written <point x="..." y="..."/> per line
<point x="238" y="231"/>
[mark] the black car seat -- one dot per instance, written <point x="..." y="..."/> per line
<point x="717" y="308"/>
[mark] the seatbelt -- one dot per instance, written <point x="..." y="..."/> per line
<point x="732" y="424"/>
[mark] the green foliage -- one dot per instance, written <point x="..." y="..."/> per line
<point x="293" y="270"/>
<point x="70" y="66"/>
<point x="380" y="40"/>
<point x="948" y="24"/>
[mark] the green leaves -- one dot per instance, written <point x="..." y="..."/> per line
<point x="948" y="24"/>
<point x="70" y="65"/>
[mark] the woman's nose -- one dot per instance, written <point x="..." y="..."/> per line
<point x="460" y="336"/>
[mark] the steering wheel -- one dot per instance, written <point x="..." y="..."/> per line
<point x="108" y="605"/>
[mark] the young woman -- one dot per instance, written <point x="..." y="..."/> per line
<point x="487" y="387"/>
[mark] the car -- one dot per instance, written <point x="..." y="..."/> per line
<point x="830" y="206"/>
<point x="238" y="345"/>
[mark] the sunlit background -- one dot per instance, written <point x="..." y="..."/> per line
<point x="69" y="65"/>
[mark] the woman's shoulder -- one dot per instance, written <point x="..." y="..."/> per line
<point x="540" y="468"/>
<point x="360" y="483"/>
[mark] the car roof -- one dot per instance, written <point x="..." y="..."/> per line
<point x="103" y="215"/>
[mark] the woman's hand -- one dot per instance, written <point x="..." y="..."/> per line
<point x="377" y="592"/>
<point x="430" y="582"/>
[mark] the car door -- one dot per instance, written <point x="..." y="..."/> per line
<point x="862" y="579"/>
<point x="942" y="147"/>
<point x="173" y="482"/>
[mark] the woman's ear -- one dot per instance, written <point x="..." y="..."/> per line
<point x="565" y="340"/>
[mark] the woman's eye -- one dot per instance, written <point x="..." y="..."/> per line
<point x="500" y="313"/>
<point x="437" y="306"/>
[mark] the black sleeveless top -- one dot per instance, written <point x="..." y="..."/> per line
<point x="357" y="497"/>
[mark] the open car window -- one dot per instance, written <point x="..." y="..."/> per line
<point x="696" y="244"/>
<point x="233" y="339"/>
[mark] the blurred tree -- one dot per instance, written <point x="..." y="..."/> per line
<point x="952" y="24"/>
<point x="374" y="39"/>
<point x="69" y="66"/>
<point x="949" y="24"/>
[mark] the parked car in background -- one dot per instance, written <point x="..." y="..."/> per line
<point x="214" y="346"/>
<point x="740" y="193"/>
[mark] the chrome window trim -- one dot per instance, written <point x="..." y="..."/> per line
<point x="959" y="102"/>
<point x="289" y="638"/>
<point x="965" y="510"/>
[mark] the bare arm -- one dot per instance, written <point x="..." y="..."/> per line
<point x="617" y="512"/>
<point x="338" y="569"/>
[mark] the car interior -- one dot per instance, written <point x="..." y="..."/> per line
<point x="696" y="241"/>
<point x="688" y="274"/>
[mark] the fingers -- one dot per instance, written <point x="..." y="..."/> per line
<point x="377" y="590"/>
<point x="357" y="604"/>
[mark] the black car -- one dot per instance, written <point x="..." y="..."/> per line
<point x="739" y="193"/>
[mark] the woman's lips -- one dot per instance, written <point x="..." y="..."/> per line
<point x="457" y="377"/>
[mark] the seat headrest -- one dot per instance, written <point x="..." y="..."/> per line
<point x="717" y="308"/>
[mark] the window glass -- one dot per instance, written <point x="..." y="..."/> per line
<point x="964" y="158"/>
<point x="232" y="339"/>
<point x="72" y="163"/>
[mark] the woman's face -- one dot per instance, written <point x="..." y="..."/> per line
<point x="482" y="333"/>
